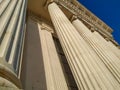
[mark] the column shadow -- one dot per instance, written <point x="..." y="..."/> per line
<point x="33" y="74"/>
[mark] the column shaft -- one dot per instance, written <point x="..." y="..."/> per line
<point x="18" y="38"/>
<point x="12" y="22"/>
<point x="3" y="5"/>
<point x="53" y="70"/>
<point x="108" y="58"/>
<point x="6" y="16"/>
<point x="115" y="50"/>
<point x="82" y="60"/>
<point x="109" y="44"/>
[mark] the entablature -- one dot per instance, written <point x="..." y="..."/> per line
<point x="45" y="24"/>
<point x="79" y="10"/>
<point x="70" y="8"/>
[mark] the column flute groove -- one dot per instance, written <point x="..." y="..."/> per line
<point x="81" y="62"/>
<point x="53" y="70"/>
<point x="109" y="59"/>
<point x="3" y="6"/>
<point x="92" y="55"/>
<point x="115" y="50"/>
<point x="18" y="29"/>
<point x="109" y="44"/>
<point x="5" y="18"/>
<point x="9" y="32"/>
<point x="12" y="20"/>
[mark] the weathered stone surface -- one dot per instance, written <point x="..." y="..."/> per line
<point x="88" y="70"/>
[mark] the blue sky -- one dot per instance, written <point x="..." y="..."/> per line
<point x="108" y="11"/>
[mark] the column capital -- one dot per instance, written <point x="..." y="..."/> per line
<point x="74" y="17"/>
<point x="52" y="65"/>
<point x="118" y="47"/>
<point x="87" y="68"/>
<point x="107" y="39"/>
<point x="92" y="29"/>
<point x="47" y="3"/>
<point x="102" y="49"/>
<point x="46" y="27"/>
<point x="114" y="42"/>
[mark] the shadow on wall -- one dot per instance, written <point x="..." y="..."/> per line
<point x="33" y="75"/>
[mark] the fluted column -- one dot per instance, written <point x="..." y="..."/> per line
<point x="105" y="54"/>
<point x="108" y="43"/>
<point x="89" y="72"/>
<point x="114" y="48"/>
<point x="55" y="78"/>
<point x="3" y="5"/>
<point x="12" y="22"/>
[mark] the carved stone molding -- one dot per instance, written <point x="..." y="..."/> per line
<point x="46" y="27"/>
<point x="81" y="12"/>
<point x="114" y="42"/>
<point x="118" y="47"/>
<point x="74" y="17"/>
<point x="47" y="3"/>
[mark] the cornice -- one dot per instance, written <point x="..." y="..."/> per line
<point x="43" y="23"/>
<point x="38" y="18"/>
<point x="82" y="13"/>
<point x="92" y="27"/>
<point x="114" y="42"/>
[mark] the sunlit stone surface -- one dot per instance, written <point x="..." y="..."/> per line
<point x="55" y="45"/>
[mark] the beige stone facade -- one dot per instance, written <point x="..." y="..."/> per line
<point x="56" y="45"/>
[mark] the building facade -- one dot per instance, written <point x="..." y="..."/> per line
<point x="56" y="45"/>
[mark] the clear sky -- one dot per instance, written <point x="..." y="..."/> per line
<point x="108" y="11"/>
